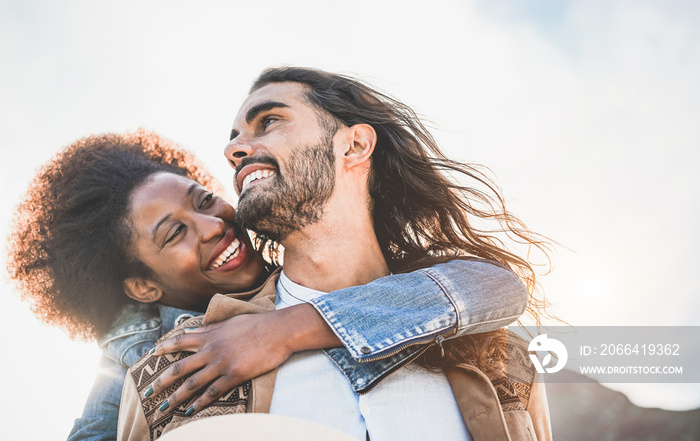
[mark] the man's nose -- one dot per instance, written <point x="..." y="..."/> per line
<point x="236" y="150"/>
<point x="211" y="227"/>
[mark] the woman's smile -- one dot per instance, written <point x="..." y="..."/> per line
<point x="189" y="239"/>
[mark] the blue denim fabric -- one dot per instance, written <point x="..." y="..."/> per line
<point x="99" y="419"/>
<point x="383" y="325"/>
<point x="136" y="330"/>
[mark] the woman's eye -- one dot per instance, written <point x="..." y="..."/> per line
<point x="207" y="199"/>
<point x="175" y="234"/>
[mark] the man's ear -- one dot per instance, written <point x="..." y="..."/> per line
<point x="142" y="290"/>
<point x="361" y="142"/>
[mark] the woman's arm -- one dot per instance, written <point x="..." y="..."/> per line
<point x="99" y="419"/>
<point x="454" y="298"/>
<point x="136" y="330"/>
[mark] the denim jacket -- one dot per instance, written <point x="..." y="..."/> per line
<point x="383" y="325"/>
<point x="135" y="331"/>
<point x="388" y="326"/>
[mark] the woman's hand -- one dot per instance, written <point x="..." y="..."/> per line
<point x="231" y="352"/>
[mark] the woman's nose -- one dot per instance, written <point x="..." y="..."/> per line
<point x="211" y="227"/>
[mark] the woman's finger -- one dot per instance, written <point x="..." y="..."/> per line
<point x="201" y="329"/>
<point x="189" y="387"/>
<point x="181" y="342"/>
<point x="213" y="392"/>
<point x="177" y="370"/>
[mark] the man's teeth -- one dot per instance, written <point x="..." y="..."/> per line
<point x="229" y="253"/>
<point x="257" y="174"/>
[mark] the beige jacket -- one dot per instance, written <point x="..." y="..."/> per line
<point x="493" y="409"/>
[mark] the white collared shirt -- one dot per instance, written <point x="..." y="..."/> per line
<point x="410" y="404"/>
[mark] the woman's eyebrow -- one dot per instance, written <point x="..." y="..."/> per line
<point x="160" y="222"/>
<point x="190" y="190"/>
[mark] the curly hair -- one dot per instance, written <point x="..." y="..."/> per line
<point x="69" y="243"/>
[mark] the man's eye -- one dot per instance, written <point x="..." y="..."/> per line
<point x="268" y="120"/>
<point x="207" y="199"/>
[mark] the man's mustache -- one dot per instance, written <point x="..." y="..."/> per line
<point x="268" y="160"/>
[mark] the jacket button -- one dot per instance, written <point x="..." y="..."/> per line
<point x="365" y="350"/>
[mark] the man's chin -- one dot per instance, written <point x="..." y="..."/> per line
<point x="266" y="230"/>
<point x="254" y="214"/>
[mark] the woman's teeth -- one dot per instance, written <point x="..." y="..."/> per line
<point x="257" y="174"/>
<point x="229" y="253"/>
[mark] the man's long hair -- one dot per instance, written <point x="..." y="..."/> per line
<point x="422" y="211"/>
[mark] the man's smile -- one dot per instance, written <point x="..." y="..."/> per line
<point x="257" y="175"/>
<point x="251" y="173"/>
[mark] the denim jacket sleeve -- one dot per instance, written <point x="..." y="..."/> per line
<point x="450" y="299"/>
<point x="99" y="419"/>
<point x="136" y="330"/>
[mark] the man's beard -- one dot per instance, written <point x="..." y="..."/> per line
<point x="295" y="199"/>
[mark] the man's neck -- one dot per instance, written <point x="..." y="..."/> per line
<point x="338" y="252"/>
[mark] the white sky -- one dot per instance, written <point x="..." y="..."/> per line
<point x="586" y="111"/>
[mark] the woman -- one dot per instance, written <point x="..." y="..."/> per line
<point x="77" y="255"/>
<point x="120" y="238"/>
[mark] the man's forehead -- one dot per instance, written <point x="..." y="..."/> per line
<point x="289" y="93"/>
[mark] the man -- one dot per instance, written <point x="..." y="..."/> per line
<point x="313" y="196"/>
<point x="341" y="176"/>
